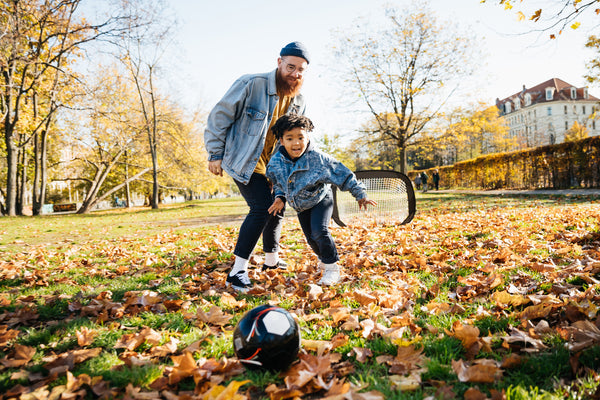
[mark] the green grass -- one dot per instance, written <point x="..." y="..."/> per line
<point x="69" y="229"/>
<point x="66" y="264"/>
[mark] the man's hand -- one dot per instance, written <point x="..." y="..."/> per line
<point x="277" y="206"/>
<point x="215" y="167"/>
<point x="362" y="203"/>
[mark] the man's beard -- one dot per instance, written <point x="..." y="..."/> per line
<point x="286" y="88"/>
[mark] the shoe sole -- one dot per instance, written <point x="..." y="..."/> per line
<point x="274" y="268"/>
<point x="237" y="288"/>
<point x="329" y="283"/>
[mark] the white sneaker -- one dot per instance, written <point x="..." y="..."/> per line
<point x="320" y="266"/>
<point x="331" y="274"/>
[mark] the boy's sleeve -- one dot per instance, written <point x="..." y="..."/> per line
<point x="343" y="178"/>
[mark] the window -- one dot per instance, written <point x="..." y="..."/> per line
<point x="534" y="113"/>
<point x="573" y="93"/>
<point x="527" y="99"/>
<point x="507" y="107"/>
<point x="517" y="104"/>
<point x="574" y="109"/>
<point x="566" y="126"/>
<point x="585" y="93"/>
<point x="583" y="110"/>
<point x="593" y="124"/>
<point x="549" y="110"/>
<point x="565" y="110"/>
<point x="549" y="93"/>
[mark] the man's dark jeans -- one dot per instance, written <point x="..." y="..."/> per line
<point x="259" y="197"/>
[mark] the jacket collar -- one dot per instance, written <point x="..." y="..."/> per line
<point x="285" y="154"/>
<point x="272" y="83"/>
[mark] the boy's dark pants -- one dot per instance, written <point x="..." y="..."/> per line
<point x="315" y="225"/>
<point x="259" y="197"/>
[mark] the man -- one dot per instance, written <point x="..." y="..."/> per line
<point x="239" y="141"/>
<point x="424" y="178"/>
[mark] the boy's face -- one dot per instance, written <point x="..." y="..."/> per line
<point x="295" y="141"/>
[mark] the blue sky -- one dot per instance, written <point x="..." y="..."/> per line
<point x="221" y="40"/>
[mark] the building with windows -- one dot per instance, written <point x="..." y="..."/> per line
<point x="544" y="113"/>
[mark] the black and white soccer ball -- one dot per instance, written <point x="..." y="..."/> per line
<point x="267" y="337"/>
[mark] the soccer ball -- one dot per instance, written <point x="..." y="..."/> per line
<point x="267" y="337"/>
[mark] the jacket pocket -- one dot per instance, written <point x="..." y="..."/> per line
<point x="252" y="122"/>
<point x="309" y="193"/>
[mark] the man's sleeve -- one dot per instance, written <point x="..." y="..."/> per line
<point x="278" y="190"/>
<point x="222" y="116"/>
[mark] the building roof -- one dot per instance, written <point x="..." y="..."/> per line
<point x="562" y="91"/>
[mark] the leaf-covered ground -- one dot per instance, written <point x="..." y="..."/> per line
<point x="476" y="298"/>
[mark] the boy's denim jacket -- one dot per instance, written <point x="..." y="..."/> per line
<point x="306" y="181"/>
<point x="237" y="126"/>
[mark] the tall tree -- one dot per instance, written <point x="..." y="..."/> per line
<point x="404" y="72"/>
<point x="101" y="138"/>
<point x="37" y="40"/>
<point x="576" y="132"/>
<point x="142" y="47"/>
<point x="476" y="131"/>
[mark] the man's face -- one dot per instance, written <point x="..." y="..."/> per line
<point x="295" y="142"/>
<point x="290" y="74"/>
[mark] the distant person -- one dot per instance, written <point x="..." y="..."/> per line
<point x="302" y="176"/>
<point x="424" y="178"/>
<point x="418" y="181"/>
<point x="239" y="141"/>
<point x="435" y="177"/>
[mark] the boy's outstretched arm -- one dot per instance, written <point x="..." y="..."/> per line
<point x="362" y="203"/>
<point x="277" y="206"/>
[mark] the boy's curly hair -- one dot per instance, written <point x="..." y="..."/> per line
<point x="289" y="122"/>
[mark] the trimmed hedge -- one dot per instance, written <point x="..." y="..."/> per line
<point x="560" y="166"/>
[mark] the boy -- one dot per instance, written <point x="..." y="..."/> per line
<point x="302" y="176"/>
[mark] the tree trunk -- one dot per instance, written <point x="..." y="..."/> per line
<point x="11" y="171"/>
<point x="41" y="172"/>
<point x="154" y="180"/>
<point x="91" y="199"/>
<point x="127" y="188"/>
<point x="22" y="181"/>
<point x="402" y="154"/>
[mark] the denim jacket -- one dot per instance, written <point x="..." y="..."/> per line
<point x="237" y="126"/>
<point x="306" y="181"/>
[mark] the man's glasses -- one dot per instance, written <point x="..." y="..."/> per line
<point x="292" y="68"/>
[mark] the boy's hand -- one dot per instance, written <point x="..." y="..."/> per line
<point x="277" y="206"/>
<point x="362" y="203"/>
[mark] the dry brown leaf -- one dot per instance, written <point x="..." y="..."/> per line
<point x="362" y="354"/>
<point x="214" y="316"/>
<point x="483" y="372"/>
<point x="85" y="336"/>
<point x="524" y="341"/>
<point x="229" y="301"/>
<point x="406" y="383"/>
<point x="320" y="346"/>
<point x="19" y="356"/>
<point x="351" y="324"/>
<point x="474" y="394"/>
<point x="505" y="299"/>
<point x="184" y="366"/>
<point x="168" y="348"/>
